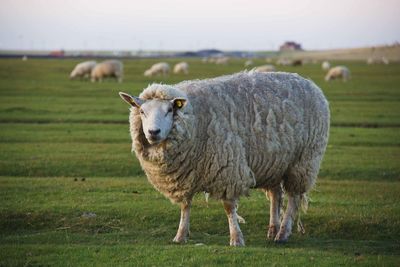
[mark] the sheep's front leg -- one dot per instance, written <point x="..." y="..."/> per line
<point x="183" y="230"/>
<point x="275" y="198"/>
<point x="234" y="229"/>
<point x="288" y="218"/>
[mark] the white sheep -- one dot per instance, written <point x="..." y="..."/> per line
<point x="161" y="68"/>
<point x="325" y="65"/>
<point x="83" y="70"/>
<point x="385" y="61"/>
<point x="265" y="68"/>
<point x="226" y="135"/>
<point x="338" y="72"/>
<point x="284" y="62"/>
<point x="376" y="60"/>
<point x="108" y="68"/>
<point x="222" y="60"/>
<point x="248" y="63"/>
<point x="181" y="67"/>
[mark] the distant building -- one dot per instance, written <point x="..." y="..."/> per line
<point x="290" y="46"/>
<point x="57" y="53"/>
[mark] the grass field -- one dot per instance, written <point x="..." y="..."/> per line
<point x="72" y="194"/>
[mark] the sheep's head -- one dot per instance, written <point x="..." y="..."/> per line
<point x="148" y="73"/>
<point x="73" y="74"/>
<point x="157" y="115"/>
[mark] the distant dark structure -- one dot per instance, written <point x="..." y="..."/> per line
<point x="290" y="46"/>
<point x="201" y="53"/>
<point x="57" y="53"/>
<point x="215" y="53"/>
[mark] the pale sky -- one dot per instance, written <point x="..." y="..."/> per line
<point x="193" y="25"/>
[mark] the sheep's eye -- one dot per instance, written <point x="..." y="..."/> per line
<point x="141" y="111"/>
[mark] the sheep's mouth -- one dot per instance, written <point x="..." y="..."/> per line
<point x="154" y="140"/>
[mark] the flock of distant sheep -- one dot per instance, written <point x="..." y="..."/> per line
<point x="114" y="68"/>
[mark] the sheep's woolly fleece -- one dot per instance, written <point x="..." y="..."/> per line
<point x="236" y="132"/>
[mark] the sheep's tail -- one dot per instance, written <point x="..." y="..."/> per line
<point x="304" y="206"/>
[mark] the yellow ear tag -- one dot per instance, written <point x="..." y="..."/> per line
<point x="179" y="103"/>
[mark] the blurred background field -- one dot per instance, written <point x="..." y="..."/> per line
<point x="65" y="153"/>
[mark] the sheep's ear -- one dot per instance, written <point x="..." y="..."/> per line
<point x="131" y="100"/>
<point x="178" y="102"/>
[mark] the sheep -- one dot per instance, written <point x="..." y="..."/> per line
<point x="83" y="69"/>
<point x="226" y="135"/>
<point x="108" y="68"/>
<point x="157" y="69"/>
<point x="385" y="61"/>
<point x="265" y="68"/>
<point x="248" y="63"/>
<point x="370" y="61"/>
<point x="222" y="60"/>
<point x="284" y="62"/>
<point x="338" y="72"/>
<point x="373" y="60"/>
<point x="181" y="67"/>
<point x="325" y="65"/>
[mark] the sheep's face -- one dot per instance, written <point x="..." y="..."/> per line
<point x="148" y="73"/>
<point x="157" y="116"/>
<point x="73" y="74"/>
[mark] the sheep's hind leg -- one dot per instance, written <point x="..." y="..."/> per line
<point x="183" y="230"/>
<point x="275" y="198"/>
<point x="236" y="236"/>
<point x="288" y="218"/>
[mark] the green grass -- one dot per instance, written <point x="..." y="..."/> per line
<point x="54" y="132"/>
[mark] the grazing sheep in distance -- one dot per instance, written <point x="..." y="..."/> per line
<point x="325" y="65"/>
<point x="284" y="62"/>
<point x="181" y="67"/>
<point x="83" y="69"/>
<point x="222" y="60"/>
<point x="372" y="60"/>
<point x="161" y="68"/>
<point x="385" y="60"/>
<point x="248" y="63"/>
<point x="265" y="68"/>
<point x="338" y="72"/>
<point x="226" y="135"/>
<point x="108" y="68"/>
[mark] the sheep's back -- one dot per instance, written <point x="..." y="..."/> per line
<point x="270" y="117"/>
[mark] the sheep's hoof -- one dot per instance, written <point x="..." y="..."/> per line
<point x="237" y="242"/>
<point x="179" y="239"/>
<point x="280" y="241"/>
<point x="272" y="231"/>
<point x="282" y="237"/>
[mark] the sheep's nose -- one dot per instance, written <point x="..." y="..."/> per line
<point x="154" y="132"/>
